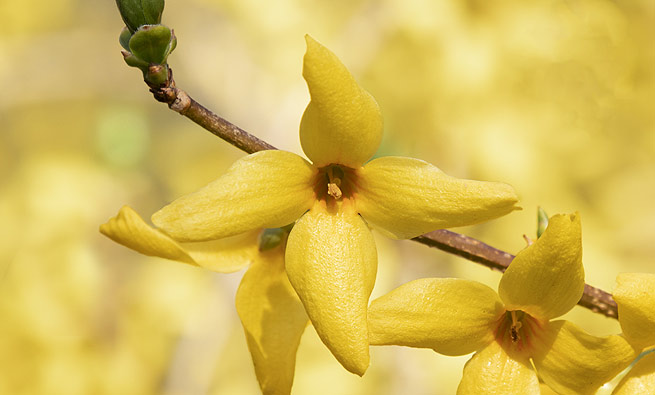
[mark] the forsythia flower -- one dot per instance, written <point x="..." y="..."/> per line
<point x="272" y="316"/>
<point x="635" y="297"/>
<point x="331" y="259"/>
<point x="511" y="330"/>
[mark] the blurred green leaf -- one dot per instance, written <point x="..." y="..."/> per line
<point x="542" y="221"/>
<point x="270" y="238"/>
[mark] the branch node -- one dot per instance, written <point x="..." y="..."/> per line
<point x="181" y="103"/>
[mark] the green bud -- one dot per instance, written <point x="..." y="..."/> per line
<point x="271" y="238"/>
<point x="136" y="13"/>
<point x="153" y="43"/>
<point x="542" y="221"/>
<point x="124" y="38"/>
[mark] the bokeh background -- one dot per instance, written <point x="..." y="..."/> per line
<point x="555" y="97"/>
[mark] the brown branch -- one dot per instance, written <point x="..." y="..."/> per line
<point x="180" y="102"/>
<point x="474" y="250"/>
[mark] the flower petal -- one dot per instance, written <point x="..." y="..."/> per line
<point x="451" y="316"/>
<point x="342" y="123"/>
<point x="224" y="256"/>
<point x="128" y="228"/>
<point x="547" y="278"/>
<point x="332" y="262"/>
<point x="641" y="378"/>
<point x="572" y="361"/>
<point x="407" y="197"/>
<point x="267" y="189"/>
<point x="273" y="319"/>
<point x="493" y="371"/>
<point x="635" y="296"/>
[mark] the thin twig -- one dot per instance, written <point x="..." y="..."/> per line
<point x="466" y="247"/>
<point x="179" y="101"/>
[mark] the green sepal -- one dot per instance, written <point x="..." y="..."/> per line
<point x="133" y="61"/>
<point x="124" y="38"/>
<point x="271" y="238"/>
<point x="153" y="43"/>
<point x="542" y="221"/>
<point x="136" y="13"/>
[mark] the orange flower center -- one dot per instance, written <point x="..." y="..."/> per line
<point x="517" y="330"/>
<point x="334" y="182"/>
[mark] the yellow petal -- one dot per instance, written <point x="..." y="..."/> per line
<point x="492" y="371"/>
<point x="225" y="255"/>
<point x="407" y="197"/>
<point x="635" y="296"/>
<point x="641" y="378"/>
<point x="128" y="228"/>
<point x="572" y="361"/>
<point x="450" y="316"/>
<point x="547" y="278"/>
<point x="332" y="261"/>
<point x="267" y="189"/>
<point x="273" y="319"/>
<point x="342" y="123"/>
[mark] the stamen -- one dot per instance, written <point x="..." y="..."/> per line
<point x="333" y="185"/>
<point x="514" y="329"/>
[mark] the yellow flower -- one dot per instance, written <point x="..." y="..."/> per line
<point x="635" y="297"/>
<point x="272" y="316"/>
<point x="331" y="259"/>
<point x="513" y="330"/>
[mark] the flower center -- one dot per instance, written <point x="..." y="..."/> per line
<point x="334" y="183"/>
<point x="517" y="330"/>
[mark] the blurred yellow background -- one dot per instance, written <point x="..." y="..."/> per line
<point x="554" y="97"/>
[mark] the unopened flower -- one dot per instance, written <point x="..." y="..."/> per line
<point x="331" y="259"/>
<point x="512" y="331"/>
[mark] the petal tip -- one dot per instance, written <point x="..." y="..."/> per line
<point x="310" y="41"/>
<point x="358" y="366"/>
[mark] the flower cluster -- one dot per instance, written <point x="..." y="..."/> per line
<point x="323" y="270"/>
<point x="512" y="332"/>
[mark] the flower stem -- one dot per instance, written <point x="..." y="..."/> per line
<point x="594" y="299"/>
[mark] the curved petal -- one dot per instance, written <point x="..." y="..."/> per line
<point x="451" y="316"/>
<point x="547" y="278"/>
<point x="494" y="371"/>
<point x="635" y="296"/>
<point x="273" y="319"/>
<point x="641" y="378"/>
<point x="407" y="197"/>
<point x="267" y="189"/>
<point x="332" y="262"/>
<point x="128" y="228"/>
<point x="342" y="123"/>
<point x="225" y="256"/>
<point x="572" y="361"/>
